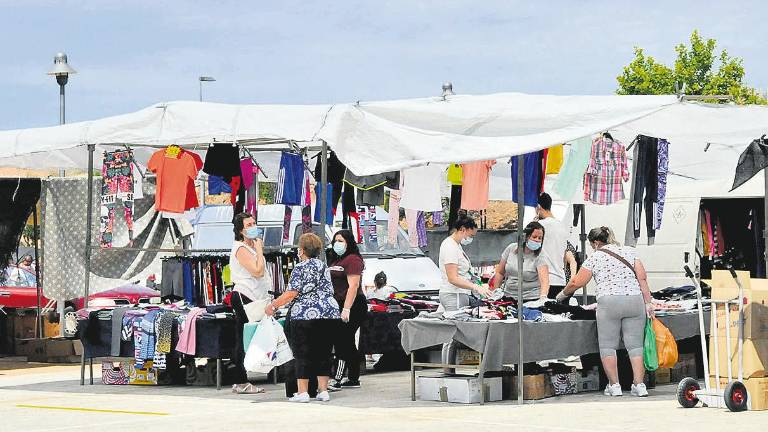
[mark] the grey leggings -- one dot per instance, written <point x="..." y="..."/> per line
<point x="621" y="317"/>
<point x="452" y="302"/>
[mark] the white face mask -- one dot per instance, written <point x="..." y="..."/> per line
<point x="467" y="241"/>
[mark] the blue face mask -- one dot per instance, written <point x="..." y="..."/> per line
<point x="252" y="232"/>
<point x="533" y="245"/>
<point x="340" y="248"/>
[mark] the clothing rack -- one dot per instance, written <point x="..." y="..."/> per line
<point x="255" y="144"/>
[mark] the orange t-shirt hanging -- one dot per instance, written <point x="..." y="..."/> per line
<point x="176" y="171"/>
<point x="474" y="192"/>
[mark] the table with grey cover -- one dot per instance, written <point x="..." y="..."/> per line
<point x="498" y="340"/>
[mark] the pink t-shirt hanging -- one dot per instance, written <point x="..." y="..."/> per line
<point x="474" y="192"/>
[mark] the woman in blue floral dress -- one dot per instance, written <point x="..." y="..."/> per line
<point x="314" y="318"/>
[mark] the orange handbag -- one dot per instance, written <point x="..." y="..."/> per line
<point x="666" y="347"/>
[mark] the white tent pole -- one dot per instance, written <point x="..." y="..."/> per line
<point x="89" y="223"/>
<point x="323" y="189"/>
<point x="520" y="248"/>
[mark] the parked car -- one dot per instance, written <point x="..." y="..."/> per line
<point x="18" y="288"/>
<point x="125" y="295"/>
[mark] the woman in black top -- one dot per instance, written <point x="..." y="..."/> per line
<point x="346" y="266"/>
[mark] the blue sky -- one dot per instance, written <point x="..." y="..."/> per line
<point x="131" y="54"/>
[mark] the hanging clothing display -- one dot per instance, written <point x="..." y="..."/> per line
<point x="474" y="194"/>
<point x="454" y="206"/>
<point x="18" y="198"/>
<point x="751" y="161"/>
<point x="662" y="172"/>
<point x="606" y="172"/>
<point x="222" y="159"/>
<point x="368" y="226"/>
<point x="290" y="180"/>
<point x="176" y="171"/>
<point x="554" y="159"/>
<point x="370" y="189"/>
<point x="646" y="185"/>
<point x="393" y="222"/>
<point x="329" y="203"/>
<point x="250" y="184"/>
<point x="117" y="184"/>
<point x="412" y="219"/>
<point x="191" y="200"/>
<point x="455" y="174"/>
<point x="421" y="229"/>
<point x="335" y="176"/>
<point x="532" y="178"/>
<point x="420" y="188"/>
<point x="572" y="173"/>
<point x="217" y="185"/>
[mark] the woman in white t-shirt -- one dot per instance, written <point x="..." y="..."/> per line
<point x="455" y="268"/>
<point x="535" y="274"/>
<point x="623" y="305"/>
<point x="248" y="271"/>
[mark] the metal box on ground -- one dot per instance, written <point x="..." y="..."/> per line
<point x="457" y="388"/>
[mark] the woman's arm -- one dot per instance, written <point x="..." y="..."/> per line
<point x="642" y="278"/>
<point x="498" y="277"/>
<point x="281" y="301"/>
<point x="354" y="284"/>
<point x="452" y="270"/>
<point x="581" y="279"/>
<point x="570" y="262"/>
<point x="543" y="271"/>
<point x="253" y="263"/>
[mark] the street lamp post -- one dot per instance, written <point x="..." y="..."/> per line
<point x="61" y="70"/>
<point x="203" y="79"/>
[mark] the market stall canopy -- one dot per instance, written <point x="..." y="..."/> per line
<point x="192" y="123"/>
<point x="385" y="136"/>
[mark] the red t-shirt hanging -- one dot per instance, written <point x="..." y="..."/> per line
<point x="191" y="200"/>
<point x="176" y="172"/>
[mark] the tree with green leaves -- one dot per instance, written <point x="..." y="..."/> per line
<point x="694" y="73"/>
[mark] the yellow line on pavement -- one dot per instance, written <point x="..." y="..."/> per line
<point x="93" y="410"/>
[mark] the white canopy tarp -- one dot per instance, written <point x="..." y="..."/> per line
<point x="369" y="138"/>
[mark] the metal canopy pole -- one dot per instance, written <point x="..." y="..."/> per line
<point x="39" y="332"/>
<point x="583" y="239"/>
<point x="323" y="189"/>
<point x="89" y="222"/>
<point x="520" y="246"/>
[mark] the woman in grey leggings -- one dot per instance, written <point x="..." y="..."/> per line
<point x="623" y="305"/>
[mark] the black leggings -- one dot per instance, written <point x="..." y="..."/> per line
<point x="348" y="355"/>
<point x="241" y="318"/>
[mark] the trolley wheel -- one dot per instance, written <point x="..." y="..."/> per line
<point x="736" y="396"/>
<point x="685" y="392"/>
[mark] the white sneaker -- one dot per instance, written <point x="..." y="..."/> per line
<point x="613" y="390"/>
<point x="639" y="390"/>
<point x="323" y="397"/>
<point x="300" y="398"/>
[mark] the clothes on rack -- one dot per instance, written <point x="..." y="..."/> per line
<point x="475" y="181"/>
<point x="117" y="184"/>
<point x="554" y="159"/>
<point x="419" y="189"/>
<point x="646" y="185"/>
<point x="370" y="189"/>
<point x="454" y="205"/>
<point x="290" y="180"/>
<point x="176" y="171"/>
<point x="532" y="178"/>
<point x="606" y="172"/>
<point x="197" y="279"/>
<point x="393" y="222"/>
<point x="218" y="185"/>
<point x="455" y="175"/>
<point x="187" y="332"/>
<point x="335" y="176"/>
<point x="250" y="184"/>
<point x="368" y="226"/>
<point x="222" y="159"/>
<point x="572" y="173"/>
<point x="329" y="210"/>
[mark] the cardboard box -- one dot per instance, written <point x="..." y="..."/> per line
<point x="144" y="376"/>
<point x="589" y="381"/>
<point x="725" y="288"/>
<point x="535" y="387"/>
<point x="30" y="348"/>
<point x="467" y="357"/>
<point x="564" y="384"/>
<point x="755" y="321"/>
<point x="457" y="388"/>
<point x="755" y="357"/>
<point x="757" y="391"/>
<point x="664" y="376"/>
<point x="24" y="326"/>
<point x="685" y="367"/>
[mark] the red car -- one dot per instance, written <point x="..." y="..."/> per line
<point x="18" y="288"/>
<point x="125" y="295"/>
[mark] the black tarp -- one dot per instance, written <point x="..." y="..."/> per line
<point x="18" y="198"/>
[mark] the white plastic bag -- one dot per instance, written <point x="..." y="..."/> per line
<point x="268" y="348"/>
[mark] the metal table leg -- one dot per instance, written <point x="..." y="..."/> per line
<point x="413" y="379"/>
<point x="82" y="368"/>
<point x="218" y="373"/>
<point x="481" y="376"/>
<point x="91" y="366"/>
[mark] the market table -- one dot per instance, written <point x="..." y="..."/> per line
<point x="380" y="333"/>
<point x="498" y="341"/>
<point x="215" y="339"/>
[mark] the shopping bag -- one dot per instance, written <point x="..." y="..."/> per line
<point x="255" y="309"/>
<point x="268" y="348"/>
<point x="650" y="356"/>
<point x="258" y="357"/>
<point x="666" y="347"/>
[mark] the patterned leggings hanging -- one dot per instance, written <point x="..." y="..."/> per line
<point x="117" y="177"/>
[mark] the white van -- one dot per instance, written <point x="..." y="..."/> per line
<point x="407" y="268"/>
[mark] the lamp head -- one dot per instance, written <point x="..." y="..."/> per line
<point x="447" y="89"/>
<point x="61" y="67"/>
